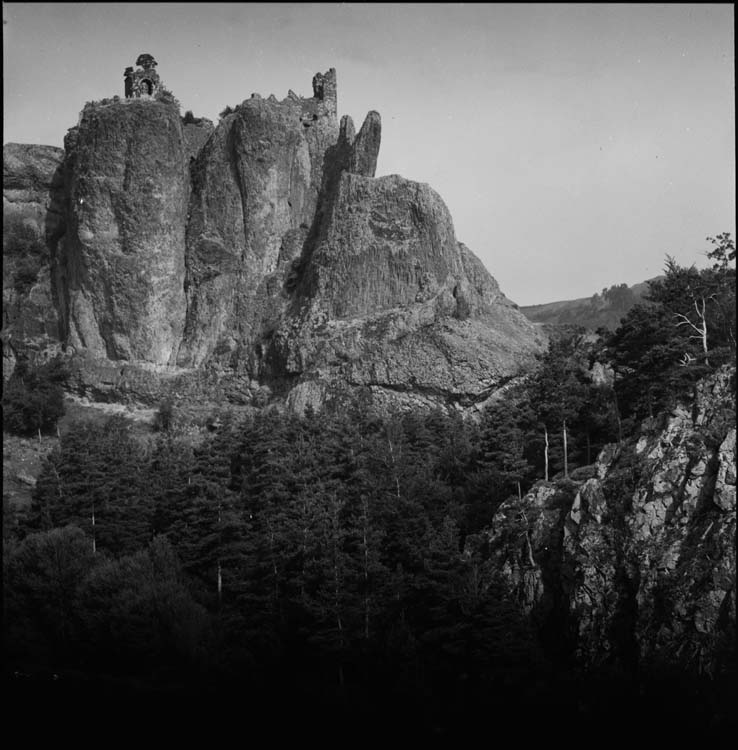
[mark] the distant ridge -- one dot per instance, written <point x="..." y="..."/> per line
<point x="602" y="310"/>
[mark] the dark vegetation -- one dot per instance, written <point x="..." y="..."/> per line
<point x="683" y="331"/>
<point x="24" y="251"/>
<point x="332" y="568"/>
<point x="33" y="397"/>
<point x="165" y="96"/>
<point x="190" y="119"/>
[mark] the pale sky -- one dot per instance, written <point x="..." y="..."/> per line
<point x="575" y="145"/>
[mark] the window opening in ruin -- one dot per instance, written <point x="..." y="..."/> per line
<point x="147" y="86"/>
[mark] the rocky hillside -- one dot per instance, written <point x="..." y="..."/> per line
<point x="631" y="563"/>
<point x="259" y="259"/>
<point x="601" y="310"/>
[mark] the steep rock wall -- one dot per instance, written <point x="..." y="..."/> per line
<point x="255" y="195"/>
<point x="196" y="135"/>
<point x="390" y="242"/>
<point x="389" y="301"/>
<point x="124" y="262"/>
<point x="637" y="562"/>
<point x="33" y="224"/>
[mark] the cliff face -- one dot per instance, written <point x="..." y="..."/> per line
<point x="637" y="562"/>
<point x="33" y="223"/>
<point x="127" y="194"/>
<point x="264" y="250"/>
<point x="255" y="193"/>
<point x="390" y="301"/>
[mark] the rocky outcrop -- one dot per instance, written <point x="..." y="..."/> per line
<point x="33" y="223"/>
<point x="28" y="181"/>
<point x="196" y="133"/>
<point x="127" y="189"/>
<point x="637" y="562"/>
<point x="391" y="302"/>
<point x="389" y="242"/>
<point x="266" y="251"/>
<point x="255" y="195"/>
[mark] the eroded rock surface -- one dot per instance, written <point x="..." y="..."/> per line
<point x="265" y="251"/>
<point x="255" y="193"/>
<point x="390" y="301"/>
<point x="637" y="563"/>
<point x="127" y="189"/>
<point x="33" y="224"/>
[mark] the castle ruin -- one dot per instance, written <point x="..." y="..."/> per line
<point x="324" y="89"/>
<point x="144" y="81"/>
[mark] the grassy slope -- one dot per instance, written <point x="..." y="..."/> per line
<point x="589" y="312"/>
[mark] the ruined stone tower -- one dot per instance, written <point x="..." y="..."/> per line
<point x="324" y="89"/>
<point x="144" y="81"/>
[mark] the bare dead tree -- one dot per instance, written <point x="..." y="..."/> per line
<point x="701" y="328"/>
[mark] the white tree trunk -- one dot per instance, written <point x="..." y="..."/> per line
<point x="365" y="522"/>
<point x="94" y="547"/>
<point x="545" y="452"/>
<point x="700" y="330"/>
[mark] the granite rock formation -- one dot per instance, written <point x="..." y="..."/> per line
<point x="264" y="251"/>
<point x="127" y="191"/>
<point x="636" y="562"/>
<point x="33" y="223"/>
<point x="255" y="194"/>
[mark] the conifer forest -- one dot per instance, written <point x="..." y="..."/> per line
<point x="334" y="566"/>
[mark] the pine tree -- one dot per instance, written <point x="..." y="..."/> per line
<point x="268" y="485"/>
<point x="41" y="577"/>
<point x="685" y="328"/>
<point x="96" y="479"/>
<point x="208" y="528"/>
<point x="508" y="431"/>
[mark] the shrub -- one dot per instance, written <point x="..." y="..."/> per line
<point x="22" y="243"/>
<point x="167" y="97"/>
<point x="164" y="418"/>
<point x="20" y="239"/>
<point x="25" y="275"/>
